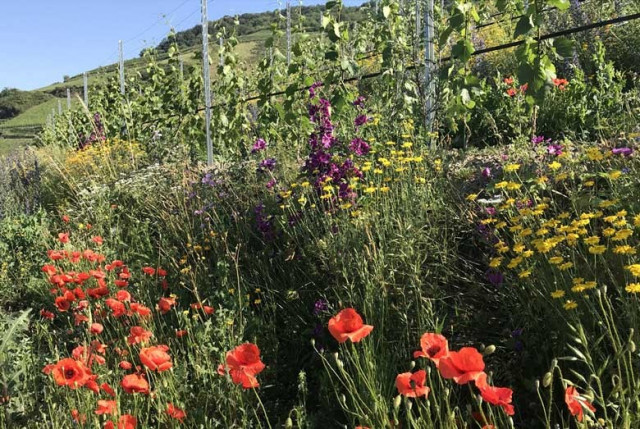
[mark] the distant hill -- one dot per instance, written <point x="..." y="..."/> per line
<point x="250" y="23"/>
<point x="13" y="102"/>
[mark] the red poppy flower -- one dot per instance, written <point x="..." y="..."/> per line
<point x="47" y="314"/>
<point x="495" y="395"/>
<point x="511" y="92"/>
<point x="77" y="417"/>
<point x="243" y="364"/>
<point x="150" y="271"/>
<point x="63" y="237"/>
<point x="161" y="272"/>
<point x="49" y="270"/>
<point x="576" y="403"/>
<point x="175" y="412"/>
<point x="127" y="421"/>
<point x="69" y="372"/>
<point x="80" y="318"/>
<point x="135" y="383"/>
<point x="62" y="304"/>
<point x="412" y="385"/>
<point x="106" y="407"/>
<point x="508" y="80"/>
<point x="98" y="292"/>
<point x="96" y="328"/>
<point x="65" y="219"/>
<point x="434" y="347"/>
<point x="561" y="83"/>
<point x="156" y="358"/>
<point x="118" y="309"/>
<point x="137" y="334"/>
<point x="97" y="239"/>
<point x="108" y="389"/>
<point x="121" y="283"/>
<point x="208" y="310"/>
<point x="125" y="365"/>
<point x="123" y="296"/>
<point x="140" y="309"/>
<point x="165" y="304"/>
<point x="348" y="325"/>
<point x="181" y="333"/>
<point x="462" y="366"/>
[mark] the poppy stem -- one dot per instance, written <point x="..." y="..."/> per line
<point x="264" y="411"/>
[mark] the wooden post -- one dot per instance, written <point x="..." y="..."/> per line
<point x="221" y="41"/>
<point x="59" y="107"/>
<point x="68" y="99"/>
<point x="207" y="80"/>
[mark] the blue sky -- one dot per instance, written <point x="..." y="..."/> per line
<point x="43" y="40"/>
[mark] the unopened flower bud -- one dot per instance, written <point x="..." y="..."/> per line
<point x="288" y="424"/>
<point x="396" y="402"/>
<point x="489" y="350"/>
<point x="547" y="379"/>
<point x="412" y="365"/>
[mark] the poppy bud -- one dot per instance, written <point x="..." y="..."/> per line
<point x="288" y="424"/>
<point x="396" y="402"/>
<point x="409" y="405"/>
<point x="412" y="365"/>
<point x="335" y="356"/>
<point x="632" y="346"/>
<point x="340" y="363"/>
<point x="547" y="379"/>
<point x="313" y="342"/>
<point x="489" y="350"/>
<point x="554" y="363"/>
<point x="537" y="384"/>
<point x="343" y="399"/>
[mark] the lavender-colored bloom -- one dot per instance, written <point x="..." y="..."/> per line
<point x="259" y="145"/>
<point x="490" y="211"/>
<point x="624" y="151"/>
<point x="486" y="173"/>
<point x="271" y="183"/>
<point x="555" y="149"/>
<point x="268" y="164"/>
<point x="361" y="120"/>
<point x="359" y="101"/>
<point x="320" y="306"/>
<point x="359" y="146"/>
<point x="312" y="89"/>
<point x="496" y="278"/>
<point x="537" y="139"/>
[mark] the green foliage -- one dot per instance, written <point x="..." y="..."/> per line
<point x="14" y="102"/>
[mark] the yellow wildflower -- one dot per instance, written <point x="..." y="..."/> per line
<point x="510" y="168"/>
<point x="557" y="294"/>
<point x="633" y="288"/>
<point x="570" y="305"/>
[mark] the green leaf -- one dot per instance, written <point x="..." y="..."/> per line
<point x="560" y="4"/>
<point x="564" y="46"/>
<point x="386" y="11"/>
<point x="463" y="50"/>
<point x="525" y="24"/>
<point x="331" y="4"/>
<point x="325" y="21"/>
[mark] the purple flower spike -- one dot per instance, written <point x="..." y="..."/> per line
<point x="624" y="151"/>
<point x="259" y="145"/>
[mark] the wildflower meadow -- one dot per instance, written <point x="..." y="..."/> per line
<point x="365" y="249"/>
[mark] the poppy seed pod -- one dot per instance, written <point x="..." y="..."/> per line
<point x="396" y="402"/>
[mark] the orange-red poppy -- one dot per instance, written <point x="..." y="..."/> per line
<point x="97" y="239"/>
<point x="412" y="384"/>
<point x="175" y="412"/>
<point x="96" y="328"/>
<point x="135" y="383"/>
<point x="462" y="366"/>
<point x="243" y="364"/>
<point x="137" y="334"/>
<point x="63" y="237"/>
<point x="434" y="347"/>
<point x="500" y="396"/>
<point x="577" y="403"/>
<point x="69" y="372"/>
<point x="108" y="389"/>
<point x="150" y="271"/>
<point x="156" y="358"/>
<point x="166" y="304"/>
<point x="348" y="325"/>
<point x="106" y="407"/>
<point x="125" y="365"/>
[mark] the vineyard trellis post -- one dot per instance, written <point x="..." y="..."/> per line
<point x="417" y="35"/>
<point x="68" y="99"/>
<point x="288" y="33"/>
<point x="428" y="67"/>
<point x="85" y="79"/>
<point x="221" y="41"/>
<point x="207" y="80"/>
<point x="59" y="107"/>
<point x="121" y="66"/>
